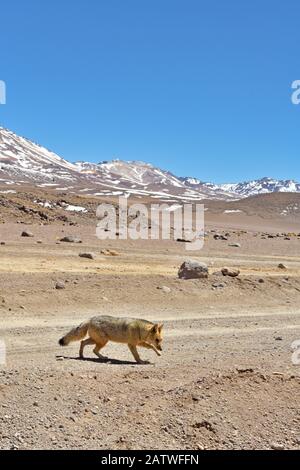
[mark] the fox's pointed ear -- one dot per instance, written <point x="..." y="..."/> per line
<point x="155" y="328"/>
<point x="160" y="327"/>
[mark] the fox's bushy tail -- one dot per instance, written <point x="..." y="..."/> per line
<point x="76" y="334"/>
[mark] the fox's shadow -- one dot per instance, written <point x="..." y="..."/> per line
<point x="108" y="361"/>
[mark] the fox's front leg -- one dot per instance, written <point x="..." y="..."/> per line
<point x="150" y="346"/>
<point x="135" y="354"/>
<point x="83" y="344"/>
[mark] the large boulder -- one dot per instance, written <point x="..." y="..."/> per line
<point x="192" y="269"/>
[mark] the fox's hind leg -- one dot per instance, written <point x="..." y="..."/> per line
<point x="136" y="355"/>
<point x="97" y="349"/>
<point x="83" y="344"/>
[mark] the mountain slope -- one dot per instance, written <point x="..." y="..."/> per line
<point x="21" y="158"/>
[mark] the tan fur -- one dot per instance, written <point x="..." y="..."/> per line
<point x="131" y="331"/>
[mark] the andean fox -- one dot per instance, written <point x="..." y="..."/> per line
<point x="131" y="331"/>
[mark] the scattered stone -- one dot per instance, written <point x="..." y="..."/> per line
<point x="70" y="239"/>
<point x="235" y="245"/>
<point x="110" y="252"/>
<point x="281" y="266"/>
<point x="276" y="446"/>
<point x="60" y="285"/>
<point x="191" y="269"/>
<point x="165" y="289"/>
<point x="218" y="285"/>
<point x="218" y="236"/>
<point x="87" y="255"/>
<point x="200" y="447"/>
<point x="27" y="233"/>
<point x="230" y="272"/>
<point x="204" y="424"/>
<point x="278" y="338"/>
<point x="2" y="243"/>
<point x="248" y="370"/>
<point x="195" y="398"/>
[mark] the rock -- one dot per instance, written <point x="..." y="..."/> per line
<point x="165" y="289"/>
<point x="235" y="245"/>
<point x="113" y="253"/>
<point x="200" y="447"/>
<point x="276" y="446"/>
<point x="204" y="424"/>
<point x="195" y="398"/>
<point x="278" y="338"/>
<point x="2" y="243"/>
<point x="70" y="239"/>
<point x="230" y="272"/>
<point x="60" y="285"/>
<point x="281" y="266"/>
<point x="27" y="233"/>
<point x="219" y="285"/>
<point x="110" y="252"/>
<point x="261" y="280"/>
<point x="218" y="236"/>
<point x="87" y="255"/>
<point x="191" y="269"/>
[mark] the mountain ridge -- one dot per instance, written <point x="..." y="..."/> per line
<point x="24" y="161"/>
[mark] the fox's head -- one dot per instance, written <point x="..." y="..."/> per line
<point x="156" y="336"/>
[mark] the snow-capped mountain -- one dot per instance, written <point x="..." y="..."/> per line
<point x="262" y="186"/>
<point x="139" y="173"/>
<point x="22" y="158"/>
<point x="25" y="162"/>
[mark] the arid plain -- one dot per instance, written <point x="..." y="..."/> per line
<point x="226" y="377"/>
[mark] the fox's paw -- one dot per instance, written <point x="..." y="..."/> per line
<point x="144" y="363"/>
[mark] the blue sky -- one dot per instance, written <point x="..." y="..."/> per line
<point x="199" y="87"/>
